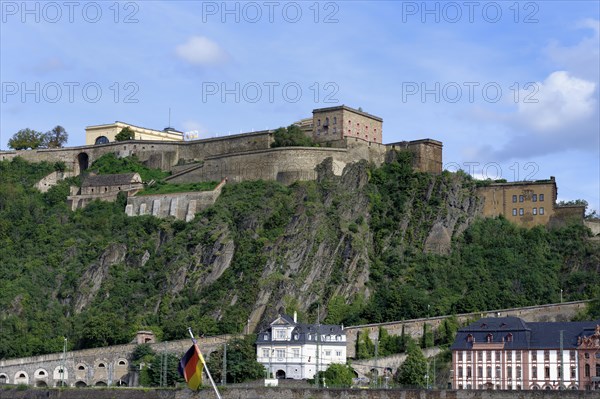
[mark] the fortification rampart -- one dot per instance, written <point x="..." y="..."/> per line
<point x="551" y="312"/>
<point x="182" y="206"/>
<point x="285" y="164"/>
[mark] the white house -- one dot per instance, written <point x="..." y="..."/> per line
<point x="289" y="349"/>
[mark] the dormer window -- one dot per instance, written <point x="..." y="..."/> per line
<point x="490" y="338"/>
<point x="266" y="337"/>
<point x="470" y="338"/>
<point x="296" y="336"/>
<point x="509" y="337"/>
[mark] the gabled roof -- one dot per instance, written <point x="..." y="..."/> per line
<point x="283" y="320"/>
<point x="111" y="180"/>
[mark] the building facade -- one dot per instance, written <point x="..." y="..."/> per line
<point x="104" y="188"/>
<point x="103" y="134"/>
<point x="288" y="349"/>
<point x="509" y="354"/>
<point x="527" y="203"/>
<point x="335" y="123"/>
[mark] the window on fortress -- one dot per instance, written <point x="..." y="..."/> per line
<point x="318" y="122"/>
<point x="81" y="367"/>
<point x="541" y="197"/>
<point x="514" y="211"/>
<point x="534" y="197"/>
<point x="521" y="212"/>
<point x="541" y="210"/>
<point x="514" y="198"/>
<point x="521" y="198"/>
<point x="335" y="120"/>
<point x="101" y="365"/>
<point x="534" y="211"/>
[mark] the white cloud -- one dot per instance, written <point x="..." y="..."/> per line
<point x="201" y="51"/>
<point x="561" y="100"/>
<point x="583" y="58"/>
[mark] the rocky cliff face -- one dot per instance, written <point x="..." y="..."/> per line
<point x="264" y="249"/>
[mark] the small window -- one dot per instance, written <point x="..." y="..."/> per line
<point x="509" y="372"/>
<point x="327" y="353"/>
<point x="479" y="356"/>
<point x="470" y="338"/>
<point x="509" y="338"/>
<point x="534" y="356"/>
<point x="265" y="353"/>
<point x="541" y="210"/>
<point x="335" y="120"/>
<point x="490" y="338"/>
<point x="121" y="362"/>
<point x="514" y="198"/>
<point x="534" y="211"/>
<point x="546" y="356"/>
<point x="518" y="372"/>
<point x="318" y="122"/>
<point x="498" y="372"/>
<point x="81" y="367"/>
<point x="509" y="356"/>
<point x="521" y="212"/>
<point x="460" y="372"/>
<point x="541" y="197"/>
<point x="489" y="371"/>
<point x="547" y="372"/>
<point x="534" y="372"/>
<point x="514" y="212"/>
<point x="572" y="355"/>
<point x="534" y="197"/>
<point x="497" y="356"/>
<point x="338" y="353"/>
<point x="521" y="198"/>
<point x="469" y="373"/>
<point x="101" y="365"/>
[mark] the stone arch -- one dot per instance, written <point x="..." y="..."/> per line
<point x="41" y="384"/>
<point x="280" y="374"/>
<point x="100" y="383"/>
<point x="83" y="161"/>
<point x="101" y="140"/>
<point x="80" y="384"/>
<point x="80" y="367"/>
<point x="122" y="362"/>
<point x="40" y="373"/>
<point x="21" y="377"/>
<point x="547" y="387"/>
<point x="60" y="373"/>
<point x="121" y="383"/>
<point x="61" y="384"/>
<point x="4" y="379"/>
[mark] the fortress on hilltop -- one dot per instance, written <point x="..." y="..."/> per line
<point x="344" y="135"/>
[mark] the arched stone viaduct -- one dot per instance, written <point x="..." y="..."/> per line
<point x="108" y="366"/>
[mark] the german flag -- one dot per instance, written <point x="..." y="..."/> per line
<point x="190" y="367"/>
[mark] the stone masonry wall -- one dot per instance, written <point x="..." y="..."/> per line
<point x="182" y="206"/>
<point x="106" y="366"/>
<point x="292" y="393"/>
<point x="553" y="312"/>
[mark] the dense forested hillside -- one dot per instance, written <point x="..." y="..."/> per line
<point x="376" y="244"/>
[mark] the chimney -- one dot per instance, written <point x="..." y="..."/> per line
<point x="295" y="317"/>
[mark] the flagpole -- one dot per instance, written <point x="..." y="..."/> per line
<point x="206" y="367"/>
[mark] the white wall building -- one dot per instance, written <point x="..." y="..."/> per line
<point x="289" y="349"/>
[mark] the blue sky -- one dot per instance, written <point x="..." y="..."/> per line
<point x="510" y="88"/>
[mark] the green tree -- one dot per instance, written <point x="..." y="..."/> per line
<point x="26" y="139"/>
<point x="336" y="375"/>
<point x="365" y="349"/>
<point x="414" y="369"/>
<point x="125" y="134"/>
<point x="241" y="361"/>
<point x="292" y="136"/>
<point x="55" y="138"/>
<point x="164" y="365"/>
